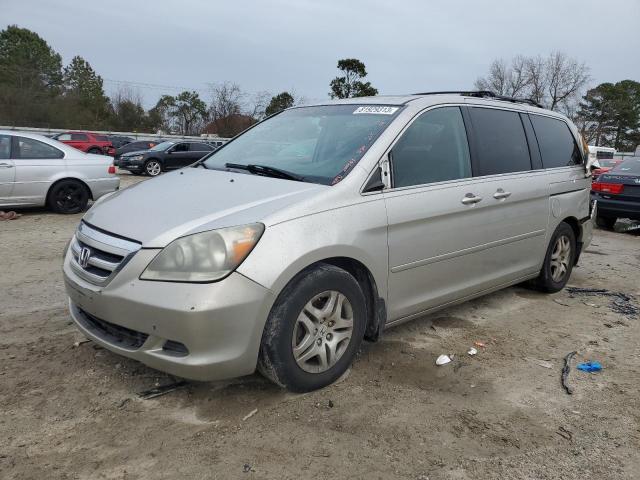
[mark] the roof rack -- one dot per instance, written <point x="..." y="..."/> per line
<point x="485" y="94"/>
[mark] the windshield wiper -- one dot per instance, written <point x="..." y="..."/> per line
<point x="266" y="171"/>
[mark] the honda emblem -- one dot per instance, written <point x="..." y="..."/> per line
<point x="83" y="258"/>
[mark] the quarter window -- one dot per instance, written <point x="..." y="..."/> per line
<point x="557" y="145"/>
<point x="5" y="147"/>
<point x="24" y="148"/>
<point x="433" y="149"/>
<point x="501" y="144"/>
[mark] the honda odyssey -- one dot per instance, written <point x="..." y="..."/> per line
<point x="323" y="225"/>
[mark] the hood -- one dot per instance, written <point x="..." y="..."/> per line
<point x="157" y="211"/>
<point x="136" y="152"/>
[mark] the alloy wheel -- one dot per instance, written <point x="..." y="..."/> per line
<point x="322" y="332"/>
<point x="69" y="197"/>
<point x="560" y="258"/>
<point x="153" y="168"/>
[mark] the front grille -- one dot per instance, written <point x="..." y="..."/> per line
<point x="110" y="332"/>
<point x="98" y="256"/>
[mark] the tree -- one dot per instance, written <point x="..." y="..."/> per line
<point x="83" y="86"/>
<point x="610" y="115"/>
<point x="184" y="113"/>
<point x="128" y="114"/>
<point x="555" y="81"/>
<point x="30" y="77"/>
<point x="226" y="107"/>
<point x="350" y="84"/>
<point x="279" y="102"/>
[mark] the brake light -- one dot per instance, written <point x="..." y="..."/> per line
<point x="614" y="188"/>
<point x="111" y="170"/>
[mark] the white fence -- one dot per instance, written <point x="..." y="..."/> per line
<point x="137" y="135"/>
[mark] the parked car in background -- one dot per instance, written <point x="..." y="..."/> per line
<point x="119" y="140"/>
<point x="605" y="165"/>
<point x="135" y="146"/>
<point x="285" y="258"/>
<point x="617" y="193"/>
<point x="87" y="142"/>
<point x="164" y="156"/>
<point x="36" y="170"/>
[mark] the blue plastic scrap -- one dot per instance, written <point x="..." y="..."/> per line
<point x="589" y="367"/>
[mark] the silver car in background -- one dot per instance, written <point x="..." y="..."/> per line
<point x="325" y="224"/>
<point x="37" y="171"/>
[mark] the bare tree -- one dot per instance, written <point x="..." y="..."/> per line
<point x="506" y="79"/>
<point x="226" y="100"/>
<point x="555" y="81"/>
<point x="566" y="78"/>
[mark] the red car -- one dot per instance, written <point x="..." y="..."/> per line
<point x="87" y="142"/>
<point x="605" y="166"/>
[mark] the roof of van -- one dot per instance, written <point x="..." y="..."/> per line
<point x="484" y="97"/>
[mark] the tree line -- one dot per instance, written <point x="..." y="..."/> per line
<point x="37" y="90"/>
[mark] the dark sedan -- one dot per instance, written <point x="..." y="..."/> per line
<point x="618" y="193"/>
<point x="164" y="156"/>
<point x="136" y="146"/>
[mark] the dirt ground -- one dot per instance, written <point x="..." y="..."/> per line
<point x="72" y="412"/>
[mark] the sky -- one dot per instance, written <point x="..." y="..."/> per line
<point x="164" y="47"/>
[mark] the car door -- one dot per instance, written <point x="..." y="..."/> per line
<point x="36" y="163"/>
<point x="198" y="150"/>
<point x="446" y="225"/>
<point x="178" y="156"/>
<point x="7" y="169"/>
<point x="79" y="141"/>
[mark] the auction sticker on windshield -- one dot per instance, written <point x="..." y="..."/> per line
<point x="376" y="109"/>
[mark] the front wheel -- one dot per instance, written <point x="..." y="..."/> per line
<point x="153" y="168"/>
<point x="559" y="260"/>
<point x="68" y="196"/>
<point x="314" y="329"/>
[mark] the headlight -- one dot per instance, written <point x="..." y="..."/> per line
<point x="135" y="157"/>
<point x="204" y="257"/>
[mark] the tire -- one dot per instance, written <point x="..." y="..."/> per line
<point x="302" y="324"/>
<point x="606" y="223"/>
<point x="152" y="167"/>
<point x="95" y="151"/>
<point x="68" y="196"/>
<point x="559" y="260"/>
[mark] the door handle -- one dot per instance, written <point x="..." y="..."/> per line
<point x="501" y="194"/>
<point x="6" y="165"/>
<point x="470" y="199"/>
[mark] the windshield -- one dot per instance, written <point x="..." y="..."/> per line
<point x="320" y="144"/>
<point x="628" y="167"/>
<point x="163" y="146"/>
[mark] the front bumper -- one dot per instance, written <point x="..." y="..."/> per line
<point x="220" y="324"/>
<point x="133" y="166"/>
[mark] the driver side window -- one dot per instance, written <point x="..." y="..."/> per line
<point x="433" y="149"/>
<point x="181" y="147"/>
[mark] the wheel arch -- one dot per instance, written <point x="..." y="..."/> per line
<point x="84" y="184"/>
<point x="577" y="231"/>
<point x="375" y="304"/>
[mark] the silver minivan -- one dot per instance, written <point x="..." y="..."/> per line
<point x="323" y="225"/>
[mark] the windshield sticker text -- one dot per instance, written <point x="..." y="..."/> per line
<point x="376" y="110"/>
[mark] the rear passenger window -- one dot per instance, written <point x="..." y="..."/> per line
<point x="557" y="145"/>
<point x="433" y="149"/>
<point x="34" y="149"/>
<point x="79" y="137"/>
<point x="501" y="144"/>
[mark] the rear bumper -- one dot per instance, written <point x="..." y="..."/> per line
<point x="618" y="208"/>
<point x="102" y="186"/>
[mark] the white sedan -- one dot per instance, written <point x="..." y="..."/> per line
<point x="37" y="171"/>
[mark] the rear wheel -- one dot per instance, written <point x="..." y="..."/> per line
<point x="153" y="168"/>
<point x="95" y="150"/>
<point x="68" y="196"/>
<point x="314" y="329"/>
<point x="558" y="261"/>
<point x="606" y="222"/>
